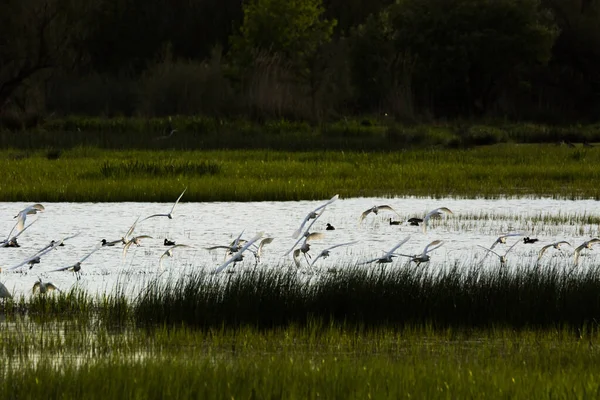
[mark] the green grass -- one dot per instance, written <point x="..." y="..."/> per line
<point x="54" y="361"/>
<point x="93" y="174"/>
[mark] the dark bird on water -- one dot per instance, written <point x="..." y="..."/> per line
<point x="528" y="240"/>
<point x="168" y="242"/>
<point x="415" y="221"/>
<point x="392" y="222"/>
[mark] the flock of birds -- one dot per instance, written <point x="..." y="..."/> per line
<point x="236" y="250"/>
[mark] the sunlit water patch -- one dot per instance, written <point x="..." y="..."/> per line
<point x="473" y="223"/>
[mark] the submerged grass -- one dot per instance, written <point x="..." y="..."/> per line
<point x="92" y="174"/>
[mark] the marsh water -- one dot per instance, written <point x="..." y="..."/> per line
<point x="473" y="223"/>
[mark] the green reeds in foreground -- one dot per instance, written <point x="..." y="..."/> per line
<point x="91" y="174"/>
<point x="313" y="362"/>
<point x="465" y="297"/>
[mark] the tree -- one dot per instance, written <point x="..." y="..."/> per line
<point x="292" y="29"/>
<point x="36" y="35"/>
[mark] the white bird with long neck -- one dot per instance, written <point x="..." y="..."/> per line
<point x="325" y="253"/>
<point x="501" y="257"/>
<point x="375" y="210"/>
<point x="238" y="256"/>
<point x="556" y="245"/>
<point x="43" y="287"/>
<point x="22" y="216"/>
<point x="424" y="257"/>
<point x="434" y="213"/>
<point x="585" y="245"/>
<point x="389" y="256"/>
<point x="170" y="214"/>
<point x="76" y="268"/>
<point x="169" y="253"/>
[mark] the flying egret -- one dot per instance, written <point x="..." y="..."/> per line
<point x="501" y="257"/>
<point x="76" y="268"/>
<point x="169" y="253"/>
<point x="307" y="237"/>
<point x="36" y="258"/>
<point x="258" y="251"/>
<point x="502" y="239"/>
<point x="233" y="247"/>
<point x="22" y="216"/>
<point x="325" y="253"/>
<point x="135" y="240"/>
<point x="387" y="257"/>
<point x="314" y="215"/>
<point x="43" y="287"/>
<point x="238" y="256"/>
<point x="424" y="257"/>
<point x="585" y="245"/>
<point x="170" y="214"/>
<point x="434" y="213"/>
<point x="375" y="210"/>
<point x="556" y="245"/>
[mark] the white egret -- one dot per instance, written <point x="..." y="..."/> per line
<point x="375" y="210"/>
<point x="502" y="239"/>
<point x="169" y="253"/>
<point x="434" y="213"/>
<point x="387" y="257"/>
<point x="501" y="257"/>
<point x="325" y="253"/>
<point x="12" y="241"/>
<point x="170" y="214"/>
<point x="76" y="268"/>
<point x="233" y="247"/>
<point x="556" y="245"/>
<point x="585" y="245"/>
<point x="135" y="240"/>
<point x="22" y="216"/>
<point x="43" y="287"/>
<point x="314" y="215"/>
<point x="424" y="257"/>
<point x="258" y="251"/>
<point x="305" y="247"/>
<point x="238" y="256"/>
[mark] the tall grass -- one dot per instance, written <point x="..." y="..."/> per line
<point x="92" y="174"/>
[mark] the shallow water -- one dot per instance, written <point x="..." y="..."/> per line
<point x="199" y="225"/>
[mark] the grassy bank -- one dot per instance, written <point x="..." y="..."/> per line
<point x="370" y="133"/>
<point x="92" y="174"/>
<point x="56" y="361"/>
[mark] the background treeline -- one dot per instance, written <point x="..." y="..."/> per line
<point x="313" y="60"/>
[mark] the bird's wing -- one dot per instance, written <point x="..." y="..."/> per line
<point x="297" y="258"/>
<point x="217" y="247"/>
<point x="37" y="207"/>
<point x="90" y="253"/>
<point x="63" y="268"/>
<point x="225" y="264"/>
<point x="130" y="230"/>
<point x="397" y="246"/>
<point x="21" y="217"/>
<point x="315" y="259"/>
<point x="578" y="249"/>
<point x="295" y="244"/>
<point x="244" y="248"/>
<point x="340" y="245"/>
<point x="445" y="209"/>
<point x="299" y="230"/>
<point x="142" y="237"/>
<point x="489" y="250"/>
<point x="576" y="258"/>
<point x="179" y="198"/>
<point x="543" y="250"/>
<point x="36" y="286"/>
<point x="263" y="243"/>
<point x="155" y="215"/>
<point x="364" y="215"/>
<point x="386" y="207"/>
<point x="236" y="242"/>
<point x="50" y="286"/>
<point x="511" y="247"/>
<point x="126" y="247"/>
<point x="8" y="239"/>
<point x="328" y="202"/>
<point x="428" y="248"/>
<point x="47" y="249"/>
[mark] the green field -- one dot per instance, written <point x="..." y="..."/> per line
<point x="93" y="174"/>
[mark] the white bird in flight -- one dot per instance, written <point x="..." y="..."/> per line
<point x="36" y="258"/>
<point x="325" y="253"/>
<point x="314" y="214"/>
<point x="22" y="216"/>
<point x="501" y="257"/>
<point x="43" y="287"/>
<point x="424" y="257"/>
<point x="434" y="213"/>
<point x="169" y="253"/>
<point x="502" y="239"/>
<point x="387" y="257"/>
<point x="585" y="245"/>
<point x="556" y="245"/>
<point x="4" y="293"/>
<point x="135" y="240"/>
<point x="76" y="268"/>
<point x="170" y="214"/>
<point x="12" y="241"/>
<point x="258" y="251"/>
<point x="238" y="256"/>
<point x="375" y="210"/>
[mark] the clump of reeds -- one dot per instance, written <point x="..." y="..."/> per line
<point x="128" y="168"/>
